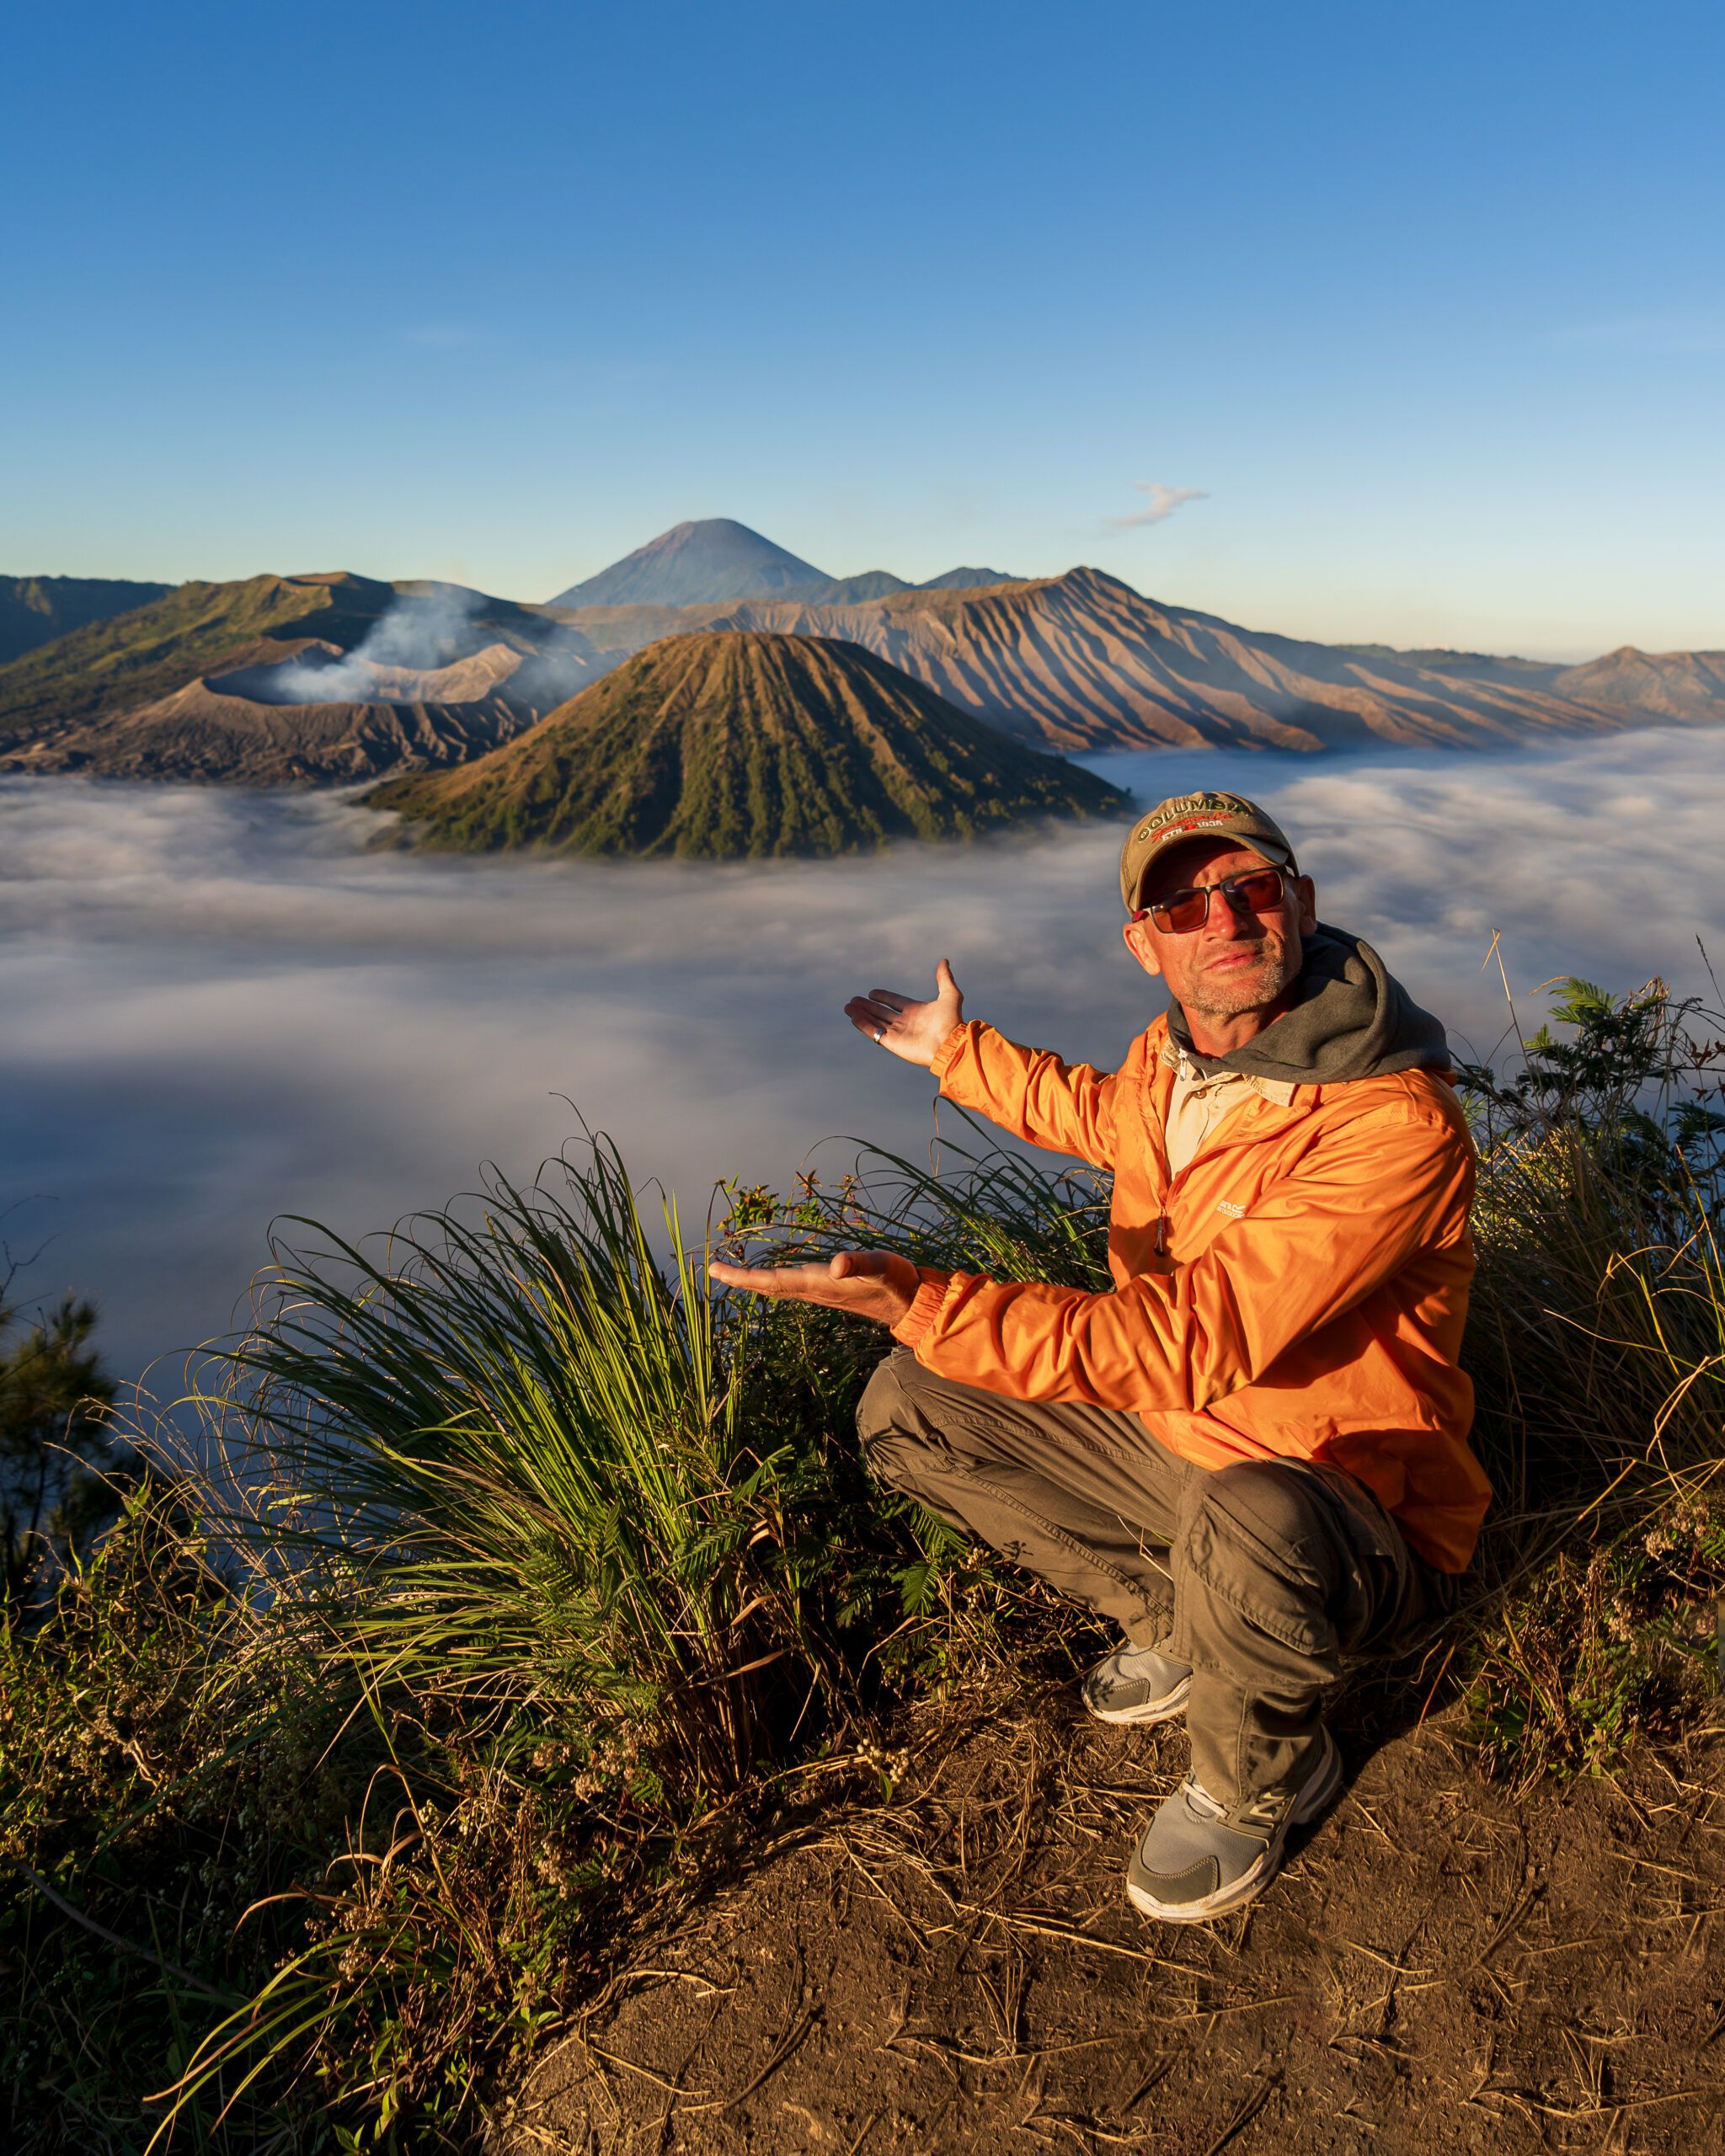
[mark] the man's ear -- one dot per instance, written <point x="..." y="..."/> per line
<point x="1306" y="903"/>
<point x="1136" y="934"/>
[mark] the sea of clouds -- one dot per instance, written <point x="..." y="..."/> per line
<point x="218" y="1007"/>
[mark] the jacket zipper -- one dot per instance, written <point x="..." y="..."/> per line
<point x="1203" y="1154"/>
<point x="1158" y="1137"/>
<point x="1174" y="1183"/>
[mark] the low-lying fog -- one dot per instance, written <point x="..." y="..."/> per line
<point x="216" y="1006"/>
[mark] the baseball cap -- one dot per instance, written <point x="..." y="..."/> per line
<point x="1198" y="816"/>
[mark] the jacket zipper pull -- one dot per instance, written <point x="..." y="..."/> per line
<point x="1161" y="1235"/>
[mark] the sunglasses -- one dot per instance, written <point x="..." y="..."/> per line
<point x="1259" y="891"/>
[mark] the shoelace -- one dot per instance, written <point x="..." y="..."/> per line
<point x="1199" y="1800"/>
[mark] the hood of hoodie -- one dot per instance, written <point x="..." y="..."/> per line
<point x="1349" y="1018"/>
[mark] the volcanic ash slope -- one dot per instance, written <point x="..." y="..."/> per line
<point x="742" y="744"/>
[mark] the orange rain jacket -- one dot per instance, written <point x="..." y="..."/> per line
<point x="1298" y="1291"/>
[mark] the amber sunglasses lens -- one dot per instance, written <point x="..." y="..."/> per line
<point x="1181" y="911"/>
<point x="1261" y="892"/>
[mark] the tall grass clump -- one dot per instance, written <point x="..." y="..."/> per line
<point x="583" y="1553"/>
<point x="1597" y="1344"/>
<point x="512" y="1470"/>
<point x="522" y="1498"/>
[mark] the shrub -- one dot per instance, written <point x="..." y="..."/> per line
<point x="155" y="1781"/>
<point x="1597" y="1344"/>
<point x="60" y="1472"/>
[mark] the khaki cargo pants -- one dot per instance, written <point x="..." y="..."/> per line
<point x="1263" y="1575"/>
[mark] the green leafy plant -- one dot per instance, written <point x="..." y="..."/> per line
<point x="991" y="1209"/>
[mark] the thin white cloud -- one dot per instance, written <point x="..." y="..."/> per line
<point x="1162" y="503"/>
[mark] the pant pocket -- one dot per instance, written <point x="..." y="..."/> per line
<point x="1266" y="1584"/>
<point x="1376" y="1589"/>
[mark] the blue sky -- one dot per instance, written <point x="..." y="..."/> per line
<point x="1427" y="303"/>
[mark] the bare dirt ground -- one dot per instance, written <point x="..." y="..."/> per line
<point x="1442" y="1967"/>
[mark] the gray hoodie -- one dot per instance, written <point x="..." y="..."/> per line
<point x="1349" y="1018"/>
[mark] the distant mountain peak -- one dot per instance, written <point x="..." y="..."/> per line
<point x="968" y="579"/>
<point x="696" y="563"/>
<point x="709" y="561"/>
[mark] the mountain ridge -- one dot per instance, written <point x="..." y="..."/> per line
<point x="37" y="609"/>
<point x="1083" y="661"/>
<point x="206" y="682"/>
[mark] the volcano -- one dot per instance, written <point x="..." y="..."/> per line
<point x="716" y="561"/>
<point x="738" y="745"/>
<point x="275" y="680"/>
<point x="693" y="564"/>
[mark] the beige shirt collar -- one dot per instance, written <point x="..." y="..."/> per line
<point x="1200" y="1101"/>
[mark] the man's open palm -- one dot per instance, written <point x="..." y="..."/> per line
<point x="910" y="1029"/>
<point x="873" y="1284"/>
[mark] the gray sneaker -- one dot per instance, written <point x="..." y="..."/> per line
<point x="1191" y="1865"/>
<point x="1137" y="1684"/>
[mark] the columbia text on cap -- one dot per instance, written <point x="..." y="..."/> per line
<point x="1185" y="816"/>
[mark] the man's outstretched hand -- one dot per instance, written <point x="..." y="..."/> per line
<point x="873" y="1284"/>
<point x="910" y="1029"/>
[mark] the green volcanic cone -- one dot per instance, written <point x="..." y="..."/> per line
<point x="735" y="744"/>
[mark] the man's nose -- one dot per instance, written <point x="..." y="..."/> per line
<point x="1229" y="922"/>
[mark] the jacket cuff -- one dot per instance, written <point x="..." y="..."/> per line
<point x="953" y="1046"/>
<point x="914" y="1324"/>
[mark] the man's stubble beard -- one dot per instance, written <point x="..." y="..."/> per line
<point x="1251" y="990"/>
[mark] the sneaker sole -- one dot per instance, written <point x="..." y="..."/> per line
<point x="1318" y="1793"/>
<point x="1162" y="1710"/>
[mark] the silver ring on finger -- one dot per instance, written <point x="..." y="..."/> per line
<point x="879" y="1035"/>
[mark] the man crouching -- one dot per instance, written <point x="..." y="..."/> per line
<point x="1267" y="1414"/>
